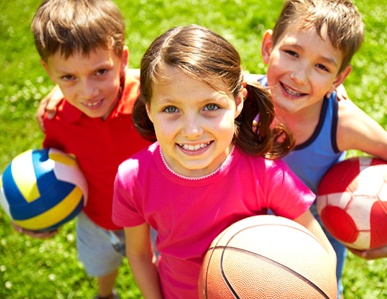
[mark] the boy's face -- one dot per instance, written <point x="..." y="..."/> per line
<point x="90" y="83"/>
<point x="302" y="68"/>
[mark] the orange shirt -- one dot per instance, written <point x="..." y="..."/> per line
<point x="99" y="146"/>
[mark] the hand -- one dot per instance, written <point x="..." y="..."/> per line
<point x="370" y="254"/>
<point x="340" y="92"/>
<point x="48" y="106"/>
<point x="35" y="234"/>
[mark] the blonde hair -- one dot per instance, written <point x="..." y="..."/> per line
<point x="67" y="26"/>
<point x="341" y="17"/>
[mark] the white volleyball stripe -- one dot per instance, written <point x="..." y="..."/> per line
<point x="3" y="202"/>
<point x="23" y="173"/>
<point x="71" y="174"/>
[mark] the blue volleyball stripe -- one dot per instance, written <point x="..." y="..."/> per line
<point x="54" y="215"/>
<point x="53" y="195"/>
<point x="11" y="190"/>
<point x="76" y="211"/>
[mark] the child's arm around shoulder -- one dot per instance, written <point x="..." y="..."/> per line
<point x="140" y="257"/>
<point x="358" y="131"/>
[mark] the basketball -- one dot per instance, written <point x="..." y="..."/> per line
<point x="41" y="189"/>
<point x="352" y="202"/>
<point x="267" y="257"/>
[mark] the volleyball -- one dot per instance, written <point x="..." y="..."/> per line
<point x="42" y="189"/>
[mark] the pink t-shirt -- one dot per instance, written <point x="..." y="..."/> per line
<point x="188" y="213"/>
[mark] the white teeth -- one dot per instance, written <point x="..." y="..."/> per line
<point x="92" y="104"/>
<point x="193" y="147"/>
<point x="292" y="92"/>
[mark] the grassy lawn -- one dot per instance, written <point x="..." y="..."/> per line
<point x="36" y="269"/>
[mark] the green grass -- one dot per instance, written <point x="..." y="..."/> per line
<point x="34" y="269"/>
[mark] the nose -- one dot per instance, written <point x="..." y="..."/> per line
<point x="192" y="127"/>
<point x="88" y="89"/>
<point x="300" y="75"/>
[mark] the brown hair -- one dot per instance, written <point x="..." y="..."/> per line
<point x="206" y="56"/>
<point x="341" y="17"/>
<point x="66" y="26"/>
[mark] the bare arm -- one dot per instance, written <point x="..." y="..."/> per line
<point x="140" y="254"/>
<point x="308" y="221"/>
<point x="358" y="131"/>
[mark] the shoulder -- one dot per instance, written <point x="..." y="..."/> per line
<point x="358" y="131"/>
<point x="141" y="159"/>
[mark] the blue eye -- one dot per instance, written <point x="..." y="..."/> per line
<point x="211" y="107"/>
<point x="170" y="109"/>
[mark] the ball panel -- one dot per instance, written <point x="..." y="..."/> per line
<point x="3" y="201"/>
<point x="54" y="215"/>
<point x="52" y="190"/>
<point x="267" y="257"/>
<point x="23" y="174"/>
<point x="275" y="279"/>
<point x="67" y="170"/>
<point x="51" y="197"/>
<point x="358" y="186"/>
<point x="379" y="224"/>
<point x="340" y="224"/>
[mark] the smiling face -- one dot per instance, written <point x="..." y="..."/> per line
<point x="90" y="83"/>
<point x="194" y="123"/>
<point x="302" y="68"/>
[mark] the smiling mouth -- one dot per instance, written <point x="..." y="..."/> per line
<point x="92" y="104"/>
<point x="292" y="92"/>
<point x="195" y="147"/>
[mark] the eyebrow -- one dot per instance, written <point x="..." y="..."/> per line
<point x="328" y="60"/>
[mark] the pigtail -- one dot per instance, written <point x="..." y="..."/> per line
<point x="141" y="120"/>
<point x="262" y="139"/>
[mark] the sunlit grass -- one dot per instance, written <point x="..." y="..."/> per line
<point x="49" y="269"/>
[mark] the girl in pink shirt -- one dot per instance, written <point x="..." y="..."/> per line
<point x="208" y="169"/>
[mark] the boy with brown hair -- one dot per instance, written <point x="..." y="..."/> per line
<point x="81" y="45"/>
<point x="308" y="55"/>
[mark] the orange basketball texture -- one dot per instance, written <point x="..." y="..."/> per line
<point x="352" y="202"/>
<point x="266" y="257"/>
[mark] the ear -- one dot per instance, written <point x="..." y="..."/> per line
<point x="148" y="112"/>
<point x="45" y="66"/>
<point x="124" y="59"/>
<point x="340" y="78"/>
<point x="267" y="46"/>
<point x="239" y="101"/>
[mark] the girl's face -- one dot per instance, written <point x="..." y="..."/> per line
<point x="302" y="68"/>
<point x="90" y="83"/>
<point x="194" y="123"/>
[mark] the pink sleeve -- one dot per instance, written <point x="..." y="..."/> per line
<point x="125" y="211"/>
